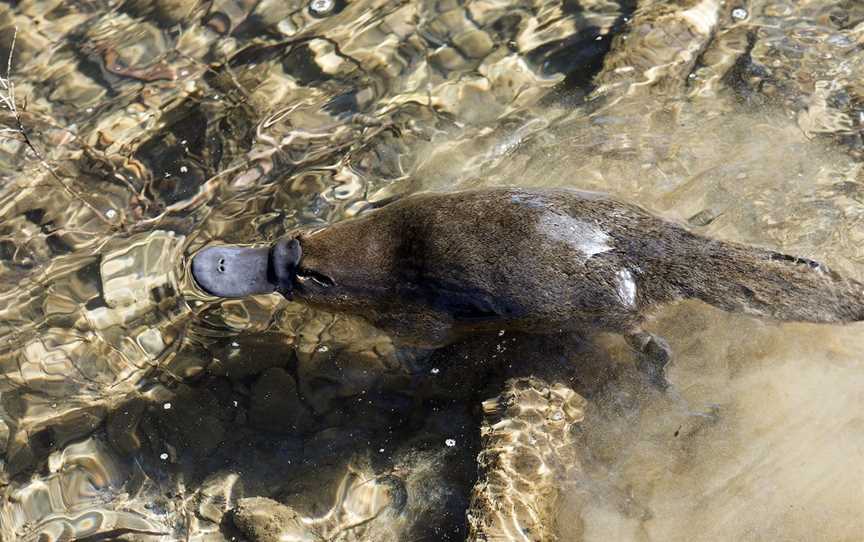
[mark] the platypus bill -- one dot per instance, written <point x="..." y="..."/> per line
<point x="432" y="267"/>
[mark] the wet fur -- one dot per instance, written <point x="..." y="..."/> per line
<point x="432" y="267"/>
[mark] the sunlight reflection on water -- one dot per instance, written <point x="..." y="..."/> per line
<point x="168" y="124"/>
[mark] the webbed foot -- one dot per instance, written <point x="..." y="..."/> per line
<point x="653" y="353"/>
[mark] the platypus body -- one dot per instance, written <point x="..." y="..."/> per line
<point x="433" y="267"/>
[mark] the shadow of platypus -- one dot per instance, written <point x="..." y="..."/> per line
<point x="433" y="267"/>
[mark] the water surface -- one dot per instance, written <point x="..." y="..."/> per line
<point x="134" y="407"/>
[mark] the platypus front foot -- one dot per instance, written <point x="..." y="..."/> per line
<point x="653" y="354"/>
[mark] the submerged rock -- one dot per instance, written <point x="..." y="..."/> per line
<point x="265" y="520"/>
<point x="365" y="507"/>
<point x="527" y="450"/>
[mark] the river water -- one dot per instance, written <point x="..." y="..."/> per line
<point x="134" y="407"/>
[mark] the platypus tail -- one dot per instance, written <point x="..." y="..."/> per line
<point x="764" y="283"/>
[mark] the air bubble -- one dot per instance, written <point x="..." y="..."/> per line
<point x="739" y="14"/>
<point x="450" y="442"/>
<point x="163" y="456"/>
<point x="110" y="213"/>
<point x="321" y="7"/>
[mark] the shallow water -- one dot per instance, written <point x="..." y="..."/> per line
<point x="134" y="407"/>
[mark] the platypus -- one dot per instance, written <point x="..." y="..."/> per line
<point x="433" y="267"/>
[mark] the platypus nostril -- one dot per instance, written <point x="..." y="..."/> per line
<point x="220" y="266"/>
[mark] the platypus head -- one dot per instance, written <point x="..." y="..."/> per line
<point x="342" y="265"/>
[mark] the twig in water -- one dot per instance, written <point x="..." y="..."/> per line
<point x="7" y="101"/>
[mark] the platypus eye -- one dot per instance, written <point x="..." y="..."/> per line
<point x="318" y="278"/>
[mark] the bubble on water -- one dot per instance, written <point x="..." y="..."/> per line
<point x="235" y="344"/>
<point x="110" y="213"/>
<point x="450" y="442"/>
<point x="435" y="370"/>
<point x="739" y="14"/>
<point x="163" y="456"/>
<point x="183" y="169"/>
<point x="321" y="7"/>
<point x="167" y="406"/>
<point x="380" y="450"/>
<point x="323" y="348"/>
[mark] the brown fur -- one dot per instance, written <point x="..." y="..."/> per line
<point x="432" y="267"/>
